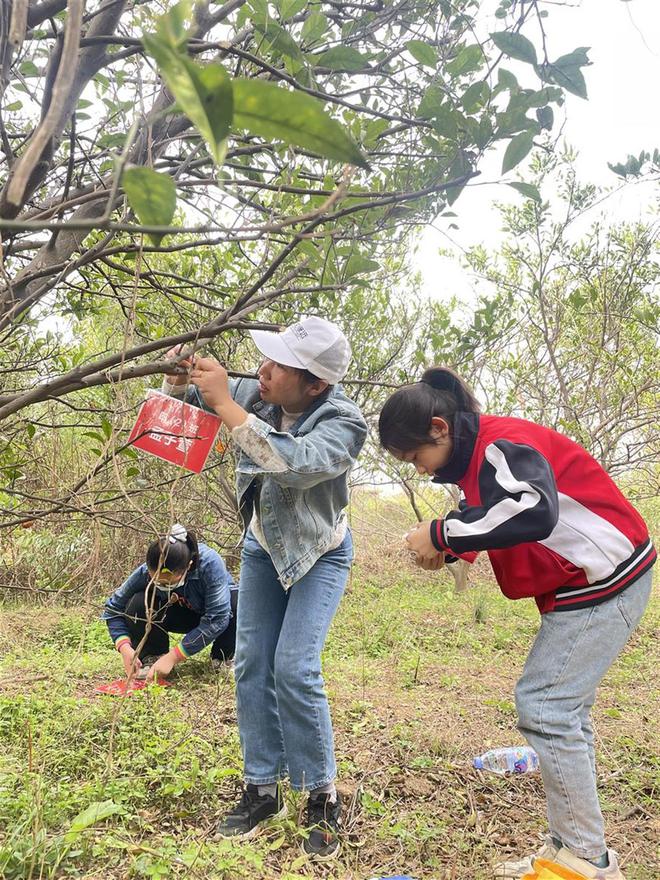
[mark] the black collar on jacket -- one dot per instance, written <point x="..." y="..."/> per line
<point x="464" y="436"/>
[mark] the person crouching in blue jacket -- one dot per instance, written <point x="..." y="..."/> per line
<point x="183" y="587"/>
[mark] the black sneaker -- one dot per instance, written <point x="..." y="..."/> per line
<point x="322" y="843"/>
<point x="250" y="813"/>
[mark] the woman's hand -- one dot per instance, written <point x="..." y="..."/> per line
<point x="213" y="381"/>
<point x="128" y="656"/>
<point x="162" y="667"/>
<point x="176" y="378"/>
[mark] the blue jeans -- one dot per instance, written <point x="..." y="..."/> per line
<point x="572" y="652"/>
<point x="283" y="713"/>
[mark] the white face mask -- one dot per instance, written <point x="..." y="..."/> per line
<point x="170" y="588"/>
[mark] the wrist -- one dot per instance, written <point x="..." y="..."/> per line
<point x="178" y="654"/>
<point x="122" y="643"/>
<point x="231" y="413"/>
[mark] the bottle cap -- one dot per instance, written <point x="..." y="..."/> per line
<point x="478" y="764"/>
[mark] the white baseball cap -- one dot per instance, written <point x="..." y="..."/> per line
<point x="312" y="344"/>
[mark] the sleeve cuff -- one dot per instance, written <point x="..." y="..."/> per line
<point x="436" y="536"/>
<point x="181" y="653"/>
<point x="438" y="541"/>
<point x="121" y="641"/>
<point x="172" y="390"/>
<point x="251" y="437"/>
<point x="251" y="425"/>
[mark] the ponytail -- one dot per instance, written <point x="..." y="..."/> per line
<point x="405" y="420"/>
<point x="178" y="550"/>
<point x="444" y="379"/>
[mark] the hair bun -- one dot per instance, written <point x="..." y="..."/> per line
<point x="441" y="378"/>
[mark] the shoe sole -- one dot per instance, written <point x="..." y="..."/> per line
<point x="258" y="828"/>
<point x="317" y="857"/>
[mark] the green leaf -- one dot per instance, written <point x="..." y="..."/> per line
<point x="576" y="58"/>
<point x="528" y="190"/>
<point x="289" y="8"/>
<point x="342" y="58"/>
<point x="15" y="105"/>
<point x="515" y="46"/>
<point x="94" y="813"/>
<point x="565" y="71"/>
<point x="95" y="436"/>
<point x="31" y="430"/>
<point x="459" y="167"/>
<point x="507" y="80"/>
<point x="422" y="52"/>
<point x="468" y="59"/>
<point x="203" y="93"/>
<point x="475" y="96"/>
<point x="359" y="265"/>
<point x="271" y="111"/>
<point x="546" y="117"/>
<point x="484" y="132"/>
<point x="569" y="78"/>
<point x="314" y="27"/>
<point x="172" y="26"/>
<point x="445" y="122"/>
<point x="519" y="146"/>
<point x="258" y="7"/>
<point x="29" y="68"/>
<point x="152" y="196"/>
<point x="432" y="100"/>
<point x="279" y="38"/>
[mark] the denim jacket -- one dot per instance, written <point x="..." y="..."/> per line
<point x="205" y="591"/>
<point x="302" y="495"/>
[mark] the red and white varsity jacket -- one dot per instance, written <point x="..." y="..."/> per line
<point x="555" y="525"/>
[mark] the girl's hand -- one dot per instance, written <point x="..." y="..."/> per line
<point x="419" y="542"/>
<point x="162" y="667"/>
<point x="128" y="655"/>
<point x="431" y="564"/>
<point x="175" y="378"/>
<point x="212" y="380"/>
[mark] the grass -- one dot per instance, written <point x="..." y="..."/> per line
<point x="420" y="681"/>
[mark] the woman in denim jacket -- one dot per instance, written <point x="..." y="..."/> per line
<point x="184" y="587"/>
<point x="299" y="437"/>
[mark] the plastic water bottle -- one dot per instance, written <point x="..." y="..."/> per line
<point x="515" y="759"/>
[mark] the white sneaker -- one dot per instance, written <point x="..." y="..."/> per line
<point x="515" y="870"/>
<point x="566" y="859"/>
<point x="563" y="857"/>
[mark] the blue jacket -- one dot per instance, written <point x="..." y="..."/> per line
<point x="301" y="499"/>
<point x="205" y="591"/>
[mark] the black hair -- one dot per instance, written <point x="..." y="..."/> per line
<point x="405" y="420"/>
<point x="173" y="552"/>
<point x="310" y="378"/>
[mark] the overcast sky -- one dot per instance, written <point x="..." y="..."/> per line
<point x="621" y="116"/>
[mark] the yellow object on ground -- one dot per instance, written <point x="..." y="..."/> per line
<point x="545" y="870"/>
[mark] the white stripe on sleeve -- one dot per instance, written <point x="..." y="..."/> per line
<point x="505" y="509"/>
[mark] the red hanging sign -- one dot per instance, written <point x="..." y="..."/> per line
<point x="174" y="431"/>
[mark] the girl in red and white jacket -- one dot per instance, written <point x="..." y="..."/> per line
<point x="556" y="528"/>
